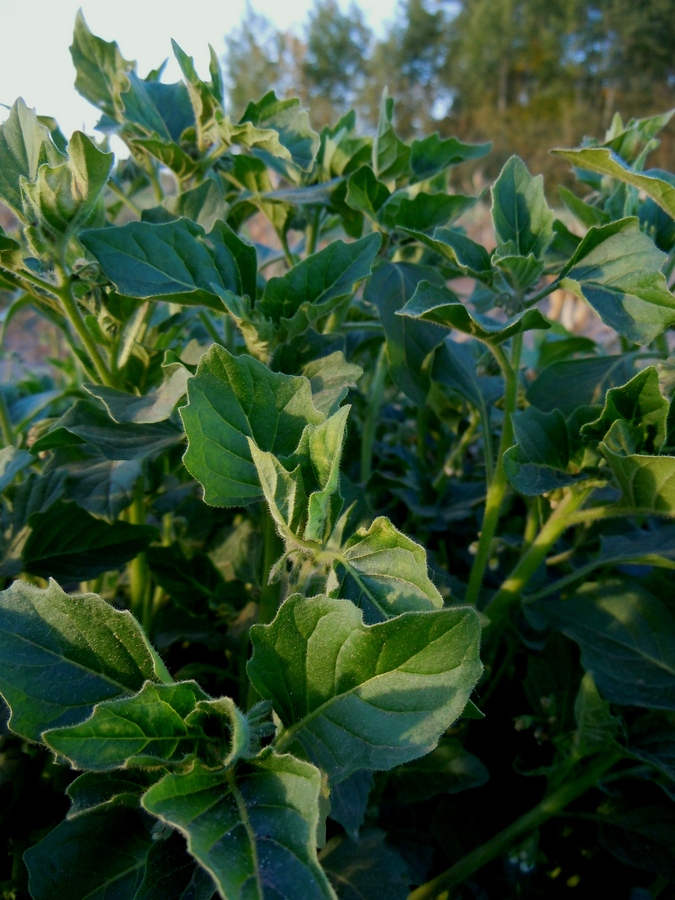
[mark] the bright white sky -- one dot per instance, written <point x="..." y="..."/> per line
<point x="35" y="36"/>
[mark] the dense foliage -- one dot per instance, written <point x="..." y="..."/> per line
<point x="309" y="448"/>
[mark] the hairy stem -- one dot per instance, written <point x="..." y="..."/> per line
<point x="139" y="572"/>
<point x="500" y="843"/>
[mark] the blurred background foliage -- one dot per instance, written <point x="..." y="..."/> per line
<point x="527" y="75"/>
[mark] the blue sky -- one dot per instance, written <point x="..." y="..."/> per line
<point x="35" y="35"/>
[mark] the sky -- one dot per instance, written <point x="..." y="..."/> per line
<point x="35" y="36"/>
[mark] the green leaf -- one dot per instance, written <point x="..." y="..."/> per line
<point x="640" y="403"/>
<point x="653" y="741"/>
<point x="160" y="110"/>
<point x="63" y="198"/>
<point x="67" y="543"/>
<point x="433" y="155"/>
<point x="391" y="157"/>
<point x="569" y="384"/>
<point x="627" y="640"/>
<point x="176" y="261"/>
<point x="61" y="655"/>
<point x="586" y="213"/>
<point x="385" y="572"/>
<point x="330" y="378"/>
<point x="409" y="342"/>
<point x="25" y="145"/>
<point x="539" y="461"/>
<point x="96" y="856"/>
<point x="171" y="874"/>
<point x="12" y="461"/>
<point x="603" y="161"/>
<point x="173" y="157"/>
<point x="433" y="303"/>
<point x="597" y="728"/>
<point x="616" y="268"/>
<point x="231" y="399"/>
<point x="424" y="212"/>
<point x="253" y="829"/>
<point x="522" y="219"/>
<point x="455" y="366"/>
<point x="143" y="409"/>
<point x="319" y="282"/>
<point x="283" y="490"/>
<point x="205" y="205"/>
<point x="365" y="193"/>
<point x="349" y="800"/>
<point x="448" y="769"/>
<point x="190" y="582"/>
<point x="148" y="728"/>
<point x="466" y="255"/>
<point x="102" y="486"/>
<point x="291" y="124"/>
<point x="520" y="272"/>
<point x="89" y="423"/>
<point x="367" y="868"/>
<point x="96" y="790"/>
<point x="102" y="71"/>
<point x="642" y="837"/>
<point x="646" y="482"/>
<point x="353" y="696"/>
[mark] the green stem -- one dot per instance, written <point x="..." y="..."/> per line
<point x="376" y="395"/>
<point x="127" y="201"/>
<point x="67" y="298"/>
<point x="139" y="572"/>
<point x="502" y="842"/>
<point x="544" y="292"/>
<point x="510" y="592"/>
<point x="270" y="593"/>
<point x="5" y="422"/>
<point x="290" y="259"/>
<point x="499" y="483"/>
<point x="312" y="232"/>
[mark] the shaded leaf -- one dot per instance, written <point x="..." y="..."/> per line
<point x="360" y="871"/>
<point x="349" y="799"/>
<point x="254" y="829"/>
<point x="171" y="874"/>
<point x="98" y="855"/>
<point x="92" y="790"/>
<point x="627" y="640"/>
<point x="291" y="124"/>
<point x="568" y="384"/>
<point x="142" y="409"/>
<point x="448" y="769"/>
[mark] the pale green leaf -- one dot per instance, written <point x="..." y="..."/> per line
<point x="432" y="155"/>
<point x="353" y="696"/>
<point x="102" y="71"/>
<point x="25" y="145"/>
<point x="63" y="198"/>
<point x="391" y="157"/>
<point x="143" y="409"/>
<point x="290" y="122"/>
<point x="603" y="161"/>
<point x="330" y="378"/>
<point x="61" y="655"/>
